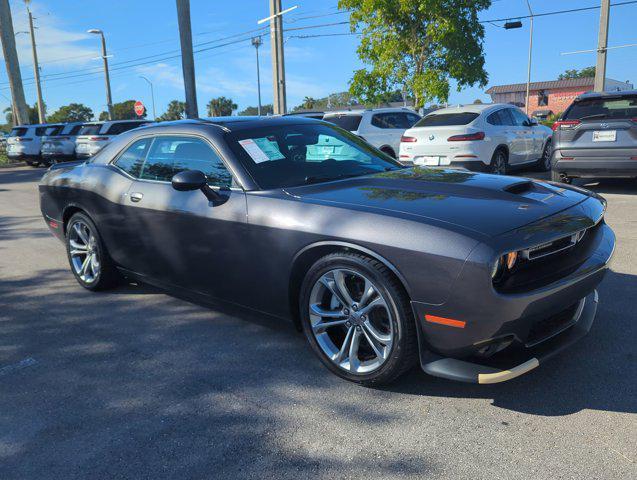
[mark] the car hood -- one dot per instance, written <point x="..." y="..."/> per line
<point x="487" y="204"/>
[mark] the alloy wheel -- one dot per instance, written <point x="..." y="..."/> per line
<point x="351" y="321"/>
<point x="499" y="165"/>
<point x="84" y="252"/>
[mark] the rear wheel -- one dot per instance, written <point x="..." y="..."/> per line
<point x="544" y="163"/>
<point x="357" y="319"/>
<point x="499" y="162"/>
<point x="89" y="260"/>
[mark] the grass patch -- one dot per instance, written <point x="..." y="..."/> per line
<point x="5" y="161"/>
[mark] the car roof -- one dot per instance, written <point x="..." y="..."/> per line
<point x="472" y="108"/>
<point x="39" y="125"/>
<point x="361" y="111"/>
<point x="589" y="95"/>
<point x="235" y="123"/>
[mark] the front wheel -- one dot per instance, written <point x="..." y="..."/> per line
<point x="89" y="260"/>
<point x="357" y="319"/>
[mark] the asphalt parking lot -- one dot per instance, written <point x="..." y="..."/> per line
<point x="135" y="383"/>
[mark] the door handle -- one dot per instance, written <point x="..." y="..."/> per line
<point x="136" y="197"/>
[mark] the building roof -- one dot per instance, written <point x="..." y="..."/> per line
<point x="550" y="85"/>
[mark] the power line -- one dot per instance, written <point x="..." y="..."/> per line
<point x="558" y="12"/>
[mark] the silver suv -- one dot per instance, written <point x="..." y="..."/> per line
<point x="596" y="137"/>
<point x="60" y="146"/>
<point x="95" y="135"/>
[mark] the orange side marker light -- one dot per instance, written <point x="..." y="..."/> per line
<point x="450" y="322"/>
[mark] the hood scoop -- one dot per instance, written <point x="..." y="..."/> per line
<point x="519" y="188"/>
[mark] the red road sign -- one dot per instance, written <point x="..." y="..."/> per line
<point x="139" y="108"/>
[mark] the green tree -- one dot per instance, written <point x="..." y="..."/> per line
<point x="176" y="111"/>
<point x="73" y="112"/>
<point x="308" y="103"/>
<point x="122" y="111"/>
<point x="417" y="44"/>
<point x="220" y="107"/>
<point x="587" y="72"/>
<point x="265" y="110"/>
<point x="477" y="101"/>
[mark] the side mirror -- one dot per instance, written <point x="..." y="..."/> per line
<point x="188" y="180"/>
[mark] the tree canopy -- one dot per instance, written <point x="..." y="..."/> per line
<point x="418" y="45"/>
<point x="586" y="72"/>
<point x="73" y="112"/>
<point x="265" y="110"/>
<point x="123" y="111"/>
<point x="220" y="107"/>
<point x="176" y="111"/>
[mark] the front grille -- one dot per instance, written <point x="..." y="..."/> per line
<point x="553" y="247"/>
<point x="549" y="327"/>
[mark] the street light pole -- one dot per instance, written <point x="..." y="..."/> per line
<point x="528" y="75"/>
<point x="152" y="95"/>
<point x="36" y="68"/>
<point x="187" y="60"/>
<point x="256" y="41"/>
<point x="109" y="101"/>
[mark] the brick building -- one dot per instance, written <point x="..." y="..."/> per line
<point x="552" y="96"/>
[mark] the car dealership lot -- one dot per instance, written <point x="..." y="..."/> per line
<point x="138" y="384"/>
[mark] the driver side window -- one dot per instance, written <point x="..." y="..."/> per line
<point x="169" y="155"/>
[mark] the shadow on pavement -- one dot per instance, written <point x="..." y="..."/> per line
<point x="21" y="175"/>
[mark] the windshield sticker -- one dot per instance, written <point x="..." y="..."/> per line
<point x="261" y="149"/>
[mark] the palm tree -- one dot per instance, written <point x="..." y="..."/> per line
<point x="221" y="107"/>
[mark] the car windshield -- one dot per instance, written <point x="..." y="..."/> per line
<point x="446" y="119"/>
<point x="600" y="108"/>
<point x="290" y="155"/>
<point x="347" y="121"/>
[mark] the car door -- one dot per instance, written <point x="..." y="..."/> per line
<point x="525" y="135"/>
<point x="188" y="240"/>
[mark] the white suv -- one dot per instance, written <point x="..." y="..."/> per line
<point x="491" y="138"/>
<point x="61" y="145"/>
<point x="95" y="135"/>
<point x="381" y="127"/>
<point x="24" y="141"/>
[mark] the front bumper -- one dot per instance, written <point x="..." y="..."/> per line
<point x="477" y="322"/>
<point x="499" y="369"/>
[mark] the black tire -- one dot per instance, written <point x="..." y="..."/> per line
<point x="499" y="162"/>
<point x="403" y="354"/>
<point x="107" y="275"/>
<point x="544" y="163"/>
<point x="388" y="151"/>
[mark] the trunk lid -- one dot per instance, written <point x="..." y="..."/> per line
<point x="487" y="204"/>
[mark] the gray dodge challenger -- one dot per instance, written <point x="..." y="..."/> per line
<point x="477" y="278"/>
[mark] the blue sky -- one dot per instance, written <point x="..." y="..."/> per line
<point x="314" y="66"/>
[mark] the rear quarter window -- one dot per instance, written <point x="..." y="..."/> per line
<point x="446" y="119"/>
<point x="90" y="130"/>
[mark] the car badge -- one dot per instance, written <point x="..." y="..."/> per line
<point x="431" y="137"/>
<point x="604" y="125"/>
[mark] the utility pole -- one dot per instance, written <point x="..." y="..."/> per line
<point x="107" y="78"/>
<point x="20" y="109"/>
<point x="602" y="44"/>
<point x="528" y="74"/>
<point x="256" y="41"/>
<point x="278" y="64"/>
<point x="187" y="61"/>
<point x="36" y="68"/>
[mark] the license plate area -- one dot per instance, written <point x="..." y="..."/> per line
<point x="604" y="135"/>
<point x="431" y="160"/>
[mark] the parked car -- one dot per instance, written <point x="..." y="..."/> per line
<point x="25" y="142"/>
<point x="596" y="137"/>
<point x="380" y="127"/>
<point x="60" y="147"/>
<point x="484" y="138"/>
<point x="96" y="135"/>
<point x="381" y="265"/>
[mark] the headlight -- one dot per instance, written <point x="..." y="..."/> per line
<point x="504" y="264"/>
